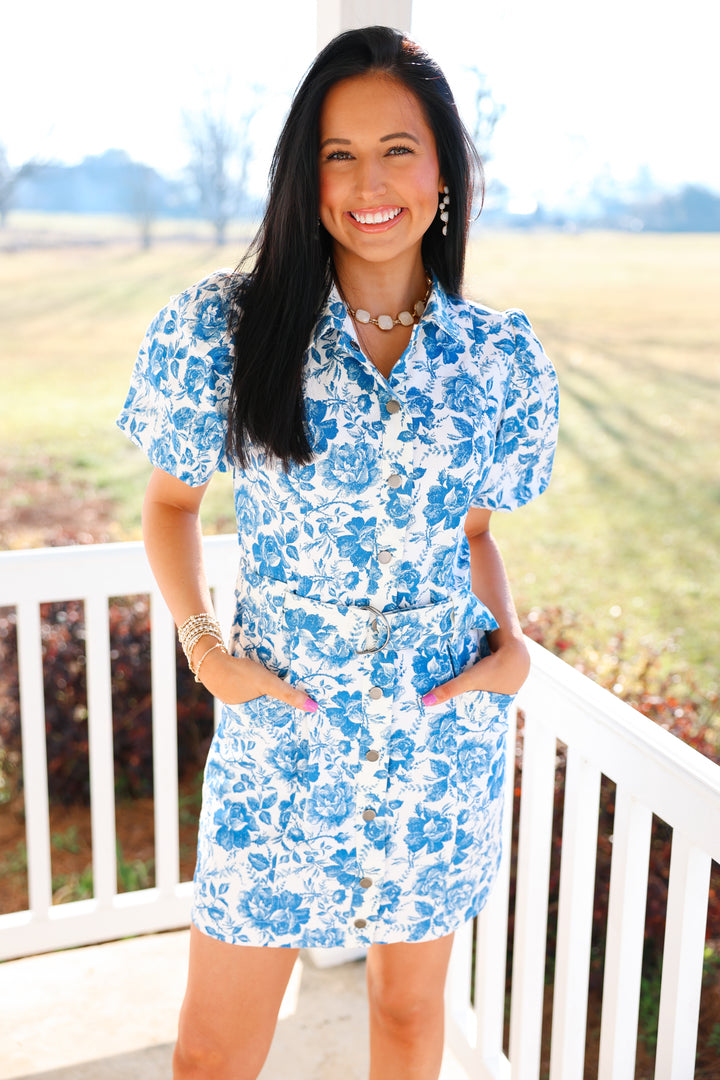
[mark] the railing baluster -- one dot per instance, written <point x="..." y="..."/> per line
<point x="165" y="767"/>
<point x="531" y="903"/>
<point x="100" y="737"/>
<point x="34" y="757"/>
<point x="491" y="947"/>
<point x="624" y="943"/>
<point x="457" y="994"/>
<point x="682" y="959"/>
<point x="575" y="914"/>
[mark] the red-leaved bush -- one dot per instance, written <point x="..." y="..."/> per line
<point x="65" y="687"/>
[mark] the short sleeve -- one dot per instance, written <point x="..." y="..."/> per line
<point x="527" y="424"/>
<point x="177" y="404"/>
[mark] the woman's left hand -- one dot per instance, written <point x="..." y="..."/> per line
<point x="502" y="672"/>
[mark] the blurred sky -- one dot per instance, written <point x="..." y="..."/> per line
<point x="589" y="88"/>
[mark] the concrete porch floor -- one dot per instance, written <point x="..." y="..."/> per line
<point x="109" y="1012"/>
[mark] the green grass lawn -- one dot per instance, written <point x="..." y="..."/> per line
<point x="628" y="535"/>
<point x="630" y="523"/>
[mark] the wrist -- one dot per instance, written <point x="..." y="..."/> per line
<point x="216" y="668"/>
<point x="217" y="647"/>
<point x="200" y="649"/>
<point x="512" y="656"/>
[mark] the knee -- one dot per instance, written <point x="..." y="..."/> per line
<point x="193" y="1058"/>
<point x="404" y="1007"/>
<point x="198" y="1058"/>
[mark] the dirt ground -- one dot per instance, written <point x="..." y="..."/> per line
<point x="71" y="846"/>
<point x="47" y="511"/>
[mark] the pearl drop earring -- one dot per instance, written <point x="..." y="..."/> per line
<point x="443" y="209"/>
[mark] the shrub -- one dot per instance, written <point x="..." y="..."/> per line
<point x="66" y="719"/>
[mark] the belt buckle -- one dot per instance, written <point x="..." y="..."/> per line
<point x="388" y="631"/>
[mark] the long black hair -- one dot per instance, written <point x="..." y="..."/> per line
<point x="275" y="306"/>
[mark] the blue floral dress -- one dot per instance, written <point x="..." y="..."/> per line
<point x="374" y="819"/>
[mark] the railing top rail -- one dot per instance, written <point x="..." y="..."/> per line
<point x="44" y="575"/>
<point x="658" y="770"/>
<point x="601" y="706"/>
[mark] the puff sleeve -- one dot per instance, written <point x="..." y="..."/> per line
<point x="527" y="423"/>
<point x="177" y="404"/>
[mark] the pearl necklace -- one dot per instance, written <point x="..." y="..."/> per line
<point x="386" y="322"/>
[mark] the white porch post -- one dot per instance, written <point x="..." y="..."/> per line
<point x="334" y="16"/>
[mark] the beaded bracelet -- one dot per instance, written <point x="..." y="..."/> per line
<point x="194" y="628"/>
<point x="217" y="645"/>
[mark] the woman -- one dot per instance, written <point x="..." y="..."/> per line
<point x="374" y="419"/>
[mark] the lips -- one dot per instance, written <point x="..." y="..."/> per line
<point x="378" y="216"/>
<point x="376" y="219"/>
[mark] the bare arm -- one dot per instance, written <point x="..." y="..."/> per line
<point x="173" y="542"/>
<point x="506" y="669"/>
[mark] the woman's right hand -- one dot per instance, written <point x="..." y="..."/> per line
<point x="237" y="679"/>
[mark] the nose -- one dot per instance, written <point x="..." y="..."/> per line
<point x="369" y="178"/>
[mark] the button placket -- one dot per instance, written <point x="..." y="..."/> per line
<point x="396" y="464"/>
<point x="371" y="789"/>
<point x="371" y="786"/>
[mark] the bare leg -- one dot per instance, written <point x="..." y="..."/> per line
<point x="406" y="994"/>
<point x="230" y="1009"/>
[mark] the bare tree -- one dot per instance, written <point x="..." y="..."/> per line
<point x="10" y="177"/>
<point x="144" y="201"/>
<point x="487" y="112"/>
<point x="220" y="156"/>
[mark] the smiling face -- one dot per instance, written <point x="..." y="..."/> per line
<point x="379" y="172"/>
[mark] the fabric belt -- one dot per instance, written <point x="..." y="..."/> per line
<point x="368" y="630"/>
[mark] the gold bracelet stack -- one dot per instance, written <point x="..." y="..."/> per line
<point x="190" y="632"/>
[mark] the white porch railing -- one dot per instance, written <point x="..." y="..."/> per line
<point x="654" y="773"/>
<point x="93" y="574"/>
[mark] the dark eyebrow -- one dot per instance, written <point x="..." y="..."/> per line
<point x="400" y="135"/>
<point x="385" y="138"/>
<point x="344" y="142"/>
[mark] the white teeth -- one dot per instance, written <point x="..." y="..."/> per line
<point x="378" y="218"/>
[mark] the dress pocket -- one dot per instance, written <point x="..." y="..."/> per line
<point x="476" y="709"/>
<point x="481" y="709"/>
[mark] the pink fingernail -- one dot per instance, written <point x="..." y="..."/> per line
<point x="429" y="699"/>
<point x="309" y="705"/>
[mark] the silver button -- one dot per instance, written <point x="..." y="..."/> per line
<point x="395" y="480"/>
<point x="376" y="693"/>
<point x="369" y="815"/>
<point x="365" y="882"/>
<point x="360" y="923"/>
<point x="392" y="406"/>
<point x="385" y="557"/>
<point x="372" y="755"/>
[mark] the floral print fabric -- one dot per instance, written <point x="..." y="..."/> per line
<point x="375" y="818"/>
